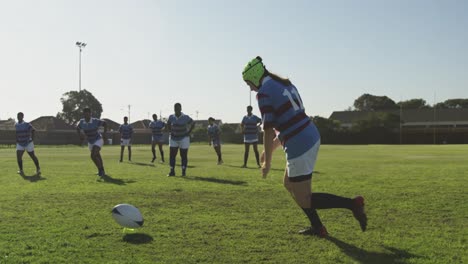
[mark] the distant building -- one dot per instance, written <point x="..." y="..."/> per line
<point x="410" y="118"/>
<point x="204" y="123"/>
<point x="111" y="124"/>
<point x="141" y="124"/>
<point x="7" y="124"/>
<point x="48" y="123"/>
<point x="417" y="126"/>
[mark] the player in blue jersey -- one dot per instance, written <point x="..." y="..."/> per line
<point x="180" y="126"/>
<point x="126" y="133"/>
<point x="157" y="127"/>
<point x="214" y="138"/>
<point x="250" y="126"/>
<point x="90" y="127"/>
<point x="282" y="110"/>
<point x="24" y="141"/>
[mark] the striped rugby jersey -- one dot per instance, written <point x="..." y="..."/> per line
<point x="179" y="126"/>
<point x="250" y="127"/>
<point x="157" y="127"/>
<point x="23" y="133"/>
<point x="282" y="109"/>
<point x="91" y="129"/>
<point x="213" y="132"/>
<point x="126" y="131"/>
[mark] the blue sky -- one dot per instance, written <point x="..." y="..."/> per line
<point x="151" y="54"/>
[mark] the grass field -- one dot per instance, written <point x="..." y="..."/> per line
<point x="416" y="203"/>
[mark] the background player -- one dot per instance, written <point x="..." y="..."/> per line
<point x="250" y="126"/>
<point x="24" y="141"/>
<point x="157" y="136"/>
<point x="214" y="138"/>
<point x="126" y="133"/>
<point x="90" y="126"/>
<point x="180" y="127"/>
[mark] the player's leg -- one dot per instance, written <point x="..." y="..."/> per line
<point x="329" y="201"/>
<point x="184" y="158"/>
<point x="19" y="159"/>
<point x="218" y="151"/>
<point x="97" y="159"/>
<point x="257" y="156"/>
<point x="122" y="148"/>
<point x="129" y="152"/>
<point x="153" y="144"/>
<point x="299" y="183"/>
<point x="36" y="162"/>
<point x="246" y="154"/>
<point x="184" y="146"/>
<point x="172" y="159"/>
<point x="160" y="145"/>
<point x="300" y="188"/>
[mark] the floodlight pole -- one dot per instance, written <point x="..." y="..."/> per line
<point x="80" y="46"/>
<point x="401" y="123"/>
<point x="129" y="107"/>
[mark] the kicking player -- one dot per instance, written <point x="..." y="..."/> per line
<point x="126" y="133"/>
<point x="282" y="110"/>
<point x="214" y="139"/>
<point x="157" y="136"/>
<point x="90" y="126"/>
<point x="180" y="127"/>
<point x="250" y="124"/>
<point x="24" y="141"/>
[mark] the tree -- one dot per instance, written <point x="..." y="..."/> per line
<point x="414" y="104"/>
<point x="453" y="104"/>
<point x="325" y="125"/>
<point x="73" y="104"/>
<point x="200" y="134"/>
<point x="385" y="121"/>
<point x="369" y="102"/>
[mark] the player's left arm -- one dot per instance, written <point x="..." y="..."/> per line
<point x="192" y="125"/>
<point x="32" y="133"/>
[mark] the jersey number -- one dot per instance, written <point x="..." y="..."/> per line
<point x="293" y="103"/>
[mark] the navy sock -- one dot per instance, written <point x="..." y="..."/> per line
<point x="327" y="201"/>
<point x="313" y="217"/>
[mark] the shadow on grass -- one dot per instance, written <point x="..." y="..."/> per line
<point x="138" y="238"/>
<point x="240" y="167"/>
<point x="214" y="180"/>
<point x="33" y="178"/>
<point x="109" y="179"/>
<point x="142" y="164"/>
<point x="360" y="255"/>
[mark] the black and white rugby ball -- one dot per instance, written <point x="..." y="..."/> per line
<point x="127" y="215"/>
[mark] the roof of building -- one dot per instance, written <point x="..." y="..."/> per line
<point x="7" y="124"/>
<point x="141" y="124"/>
<point x="111" y="124"/>
<point x="50" y="123"/>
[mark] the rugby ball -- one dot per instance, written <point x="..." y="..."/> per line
<point x="127" y="215"/>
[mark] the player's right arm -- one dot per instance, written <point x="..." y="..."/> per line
<point x="276" y="144"/>
<point x="169" y="126"/>
<point x="268" y="137"/>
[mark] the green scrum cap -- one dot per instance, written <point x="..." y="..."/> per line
<point x="254" y="71"/>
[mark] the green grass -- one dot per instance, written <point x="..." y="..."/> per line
<point x="416" y="202"/>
